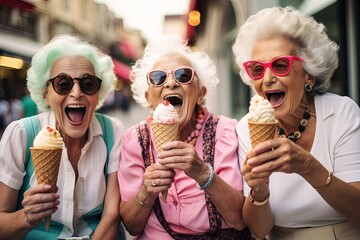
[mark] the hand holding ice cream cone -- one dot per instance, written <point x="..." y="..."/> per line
<point x="46" y="155"/>
<point x="164" y="125"/>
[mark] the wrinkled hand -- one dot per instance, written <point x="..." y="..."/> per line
<point x="183" y="156"/>
<point x="39" y="203"/>
<point x="158" y="178"/>
<point x="277" y="155"/>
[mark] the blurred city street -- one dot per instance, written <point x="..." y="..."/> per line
<point x="135" y="114"/>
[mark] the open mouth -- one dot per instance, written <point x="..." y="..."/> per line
<point x="175" y="100"/>
<point x="75" y="113"/>
<point x="275" y="98"/>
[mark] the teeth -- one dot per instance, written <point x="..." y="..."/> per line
<point x="76" y="106"/>
<point x="169" y="96"/>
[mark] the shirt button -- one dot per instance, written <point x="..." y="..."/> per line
<point x="68" y="231"/>
<point x="82" y="179"/>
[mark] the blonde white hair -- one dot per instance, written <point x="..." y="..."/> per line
<point x="310" y="38"/>
<point x="171" y="44"/>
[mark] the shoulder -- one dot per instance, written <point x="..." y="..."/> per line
<point x="225" y="127"/>
<point x="337" y="106"/>
<point x="131" y="135"/>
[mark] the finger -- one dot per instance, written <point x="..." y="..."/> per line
<point x="40" y="198"/>
<point x="41" y="188"/>
<point x="174" y="144"/>
<point x="34" y="218"/>
<point x="161" y="184"/>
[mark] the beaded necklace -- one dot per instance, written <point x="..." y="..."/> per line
<point x="297" y="134"/>
<point x="200" y="118"/>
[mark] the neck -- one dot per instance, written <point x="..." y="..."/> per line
<point x="295" y="124"/>
<point x="194" y="126"/>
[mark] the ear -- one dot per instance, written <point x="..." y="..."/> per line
<point x="45" y="97"/>
<point x="310" y="79"/>
<point x="201" y="95"/>
<point x="147" y="98"/>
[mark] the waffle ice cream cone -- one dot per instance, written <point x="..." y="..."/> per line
<point x="164" y="126"/>
<point x="46" y="165"/>
<point x="46" y="156"/>
<point x="260" y="132"/>
<point x="164" y="133"/>
<point x="261" y="120"/>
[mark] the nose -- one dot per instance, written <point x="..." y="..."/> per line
<point x="170" y="81"/>
<point x="269" y="77"/>
<point x="76" y="90"/>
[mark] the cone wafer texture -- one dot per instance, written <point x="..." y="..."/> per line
<point x="164" y="125"/>
<point x="164" y="133"/>
<point x="260" y="132"/>
<point x="46" y="165"/>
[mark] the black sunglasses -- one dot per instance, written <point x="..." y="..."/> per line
<point x="63" y="83"/>
<point x="182" y="75"/>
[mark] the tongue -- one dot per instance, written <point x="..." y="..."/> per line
<point x="75" y="115"/>
<point x="276" y="99"/>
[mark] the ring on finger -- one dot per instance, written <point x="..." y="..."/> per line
<point x="153" y="183"/>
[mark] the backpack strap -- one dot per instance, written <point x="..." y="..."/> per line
<point x="108" y="136"/>
<point x="32" y="127"/>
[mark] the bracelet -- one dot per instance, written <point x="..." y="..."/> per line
<point x="141" y="203"/>
<point x="328" y="181"/>
<point x="256" y="203"/>
<point x="209" y="181"/>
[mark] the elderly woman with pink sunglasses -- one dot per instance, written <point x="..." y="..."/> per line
<point x="200" y="170"/>
<point x="304" y="183"/>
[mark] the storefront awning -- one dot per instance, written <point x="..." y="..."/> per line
<point x="122" y="70"/>
<point x="19" y="46"/>
<point x="23" y="5"/>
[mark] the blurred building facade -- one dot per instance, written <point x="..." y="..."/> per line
<point x="26" y="25"/>
<point x="218" y="25"/>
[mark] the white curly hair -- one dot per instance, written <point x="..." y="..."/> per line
<point x="65" y="45"/>
<point x="309" y="36"/>
<point x="170" y="44"/>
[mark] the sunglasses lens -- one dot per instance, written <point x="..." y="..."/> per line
<point x="281" y="65"/>
<point x="89" y="84"/>
<point x="183" y="75"/>
<point x="157" y="77"/>
<point x="63" y="84"/>
<point x="255" y="69"/>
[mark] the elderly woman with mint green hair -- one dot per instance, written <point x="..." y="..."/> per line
<point x="68" y="79"/>
<point x="199" y="170"/>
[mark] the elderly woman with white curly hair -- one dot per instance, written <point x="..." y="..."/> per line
<point x="199" y="169"/>
<point x="304" y="183"/>
<point x="68" y="79"/>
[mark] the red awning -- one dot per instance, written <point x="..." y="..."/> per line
<point x="122" y="70"/>
<point x="23" y="5"/>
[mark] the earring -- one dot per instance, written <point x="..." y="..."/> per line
<point x="308" y="87"/>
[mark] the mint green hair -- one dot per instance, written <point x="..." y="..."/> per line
<point x="62" y="46"/>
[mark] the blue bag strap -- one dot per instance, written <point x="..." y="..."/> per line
<point x="108" y="135"/>
<point x="32" y="127"/>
